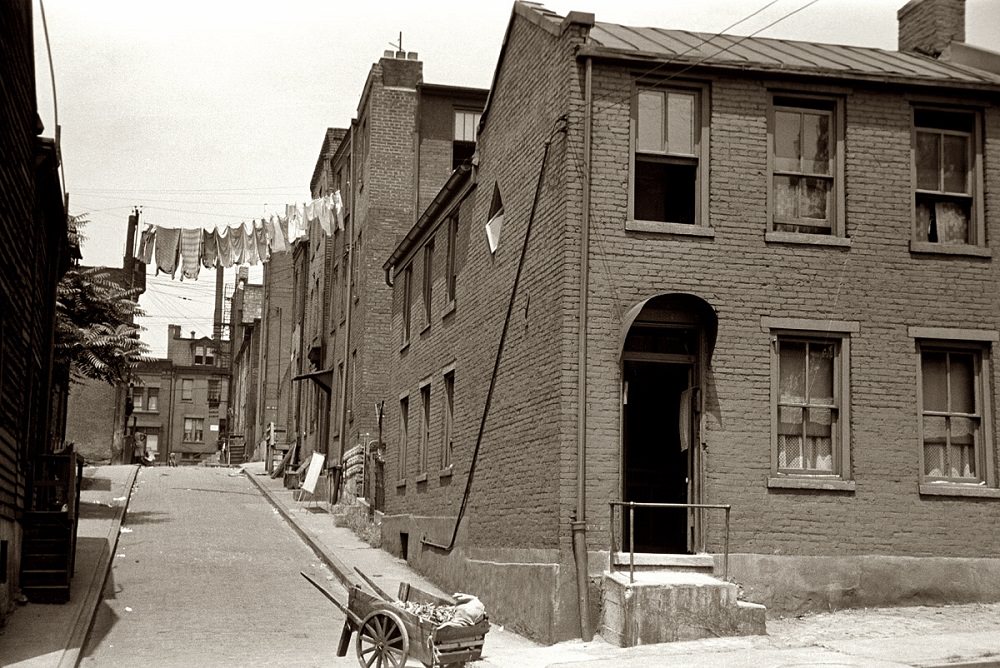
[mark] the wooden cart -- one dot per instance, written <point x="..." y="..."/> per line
<point x="387" y="635"/>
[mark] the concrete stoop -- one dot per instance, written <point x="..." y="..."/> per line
<point x="666" y="606"/>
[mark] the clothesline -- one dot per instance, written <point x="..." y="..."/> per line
<point x="189" y="250"/>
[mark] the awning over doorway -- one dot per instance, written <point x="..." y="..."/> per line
<point x="322" y="378"/>
<point x="682" y="302"/>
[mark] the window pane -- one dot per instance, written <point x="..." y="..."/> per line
<point x="786" y="141"/>
<point x="792" y="372"/>
<point x="956" y="164"/>
<point x="951" y="221"/>
<point x="650" y="125"/>
<point x="790" y="437"/>
<point x="665" y="192"/>
<point x="928" y="160"/>
<point x="962" y="457"/>
<point x="925" y="219"/>
<point x="786" y="197"/>
<point x="963" y="396"/>
<point x="821" y="373"/>
<point x="935" y="445"/>
<point x="815" y="201"/>
<point x="816" y="143"/>
<point x="819" y="439"/>
<point x="935" y="389"/>
<point x="680" y="123"/>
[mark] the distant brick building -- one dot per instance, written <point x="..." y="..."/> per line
<point x="789" y="304"/>
<point x="180" y="403"/>
<point x="34" y="253"/>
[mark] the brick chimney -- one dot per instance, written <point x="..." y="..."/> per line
<point x="928" y="26"/>
<point x="401" y="69"/>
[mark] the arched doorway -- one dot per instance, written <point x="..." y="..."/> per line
<point x="666" y="347"/>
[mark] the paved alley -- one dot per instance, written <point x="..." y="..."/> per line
<point x="207" y="573"/>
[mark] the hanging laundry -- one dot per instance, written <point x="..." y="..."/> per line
<point x="296" y="225"/>
<point x="274" y="236"/>
<point x="325" y="214"/>
<point x="260" y="236"/>
<point x="224" y="237"/>
<point x="190" y="253"/>
<point x="251" y="256"/>
<point x="146" y="242"/>
<point x="168" y="247"/>
<point x="239" y="239"/>
<point x="282" y="227"/>
<point x="338" y="210"/>
<point x="209" y="249"/>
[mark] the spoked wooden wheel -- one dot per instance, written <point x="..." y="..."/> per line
<point x="382" y="641"/>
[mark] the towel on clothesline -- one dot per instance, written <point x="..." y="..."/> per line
<point x="168" y="246"/>
<point x="146" y="242"/>
<point x="224" y="237"/>
<point x="190" y="253"/>
<point x="209" y="249"/>
<point x="261" y="240"/>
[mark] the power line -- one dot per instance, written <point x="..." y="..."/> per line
<point x="55" y="103"/>
<point x="190" y="190"/>
<point x="131" y="198"/>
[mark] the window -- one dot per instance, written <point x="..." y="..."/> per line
<point x="199" y="354"/>
<point x="425" y="426"/>
<point x="428" y="281"/>
<point x="407" y="277"/>
<point x="452" y="271"/>
<point x="356" y="268"/>
<point x="466" y="132"/>
<point x="353" y="388"/>
<point x="805" y="145"/>
<point x="810" y="404"/>
<point x="137" y="399"/>
<point x="340" y="398"/>
<point x="187" y="389"/>
<point x="214" y="391"/>
<point x="494" y="222"/>
<point x="954" y="400"/>
<point x="669" y="180"/>
<point x="404" y="420"/>
<point x="448" y="419"/>
<point x="153" y="399"/>
<point x="210" y="356"/>
<point x="948" y="177"/>
<point x="193" y="430"/>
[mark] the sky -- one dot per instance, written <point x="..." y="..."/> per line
<point x="213" y="112"/>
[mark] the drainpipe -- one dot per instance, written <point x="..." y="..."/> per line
<point x="579" y="523"/>
<point x="349" y="240"/>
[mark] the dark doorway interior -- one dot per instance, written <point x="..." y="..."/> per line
<point x="656" y="468"/>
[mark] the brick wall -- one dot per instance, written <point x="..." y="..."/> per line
<point x="927" y="26"/>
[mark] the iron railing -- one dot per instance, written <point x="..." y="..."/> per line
<point x="632" y="505"/>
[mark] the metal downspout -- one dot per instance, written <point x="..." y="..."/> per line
<point x="579" y="523"/>
<point x="349" y="240"/>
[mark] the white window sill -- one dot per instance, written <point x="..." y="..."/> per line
<point x="422" y="477"/>
<point x="806" y="239"/>
<point x="403" y="346"/>
<point x="949" y="249"/>
<point x="446" y="472"/>
<point x="678" y="229"/>
<point x="401" y="484"/>
<point x="821" y="484"/>
<point x="958" y="489"/>
<point x="425" y="328"/>
<point x="448" y="309"/>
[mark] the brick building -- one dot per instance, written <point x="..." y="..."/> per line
<point x="407" y="138"/>
<point x="34" y="253"/>
<point x="788" y="299"/>
<point x="180" y="402"/>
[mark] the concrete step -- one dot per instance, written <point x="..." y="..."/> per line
<point x="46" y="593"/>
<point x="649" y="561"/>
<point x="666" y="605"/>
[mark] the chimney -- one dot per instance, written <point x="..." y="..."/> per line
<point x="928" y="26"/>
<point x="173" y="331"/>
<point x="192" y="334"/>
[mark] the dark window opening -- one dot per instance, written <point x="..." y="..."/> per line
<point x="665" y="191"/>
<point x="462" y="152"/>
<point x="404" y="544"/>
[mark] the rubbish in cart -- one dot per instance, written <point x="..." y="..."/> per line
<point x="388" y="632"/>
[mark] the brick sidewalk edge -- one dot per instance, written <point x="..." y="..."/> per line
<point x="339" y="568"/>
<point x="88" y="610"/>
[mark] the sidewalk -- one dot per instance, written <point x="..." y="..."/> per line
<point x="40" y="635"/>
<point x="955" y="635"/>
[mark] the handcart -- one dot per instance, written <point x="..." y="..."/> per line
<point x="387" y="635"/>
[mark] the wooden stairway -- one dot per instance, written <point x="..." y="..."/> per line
<point x="47" y="556"/>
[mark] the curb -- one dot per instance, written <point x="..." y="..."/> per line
<point x="84" y="621"/>
<point x="339" y="568"/>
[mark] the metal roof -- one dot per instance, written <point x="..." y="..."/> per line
<point x="781" y="56"/>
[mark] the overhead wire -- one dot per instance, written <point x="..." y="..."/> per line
<point x="55" y="102"/>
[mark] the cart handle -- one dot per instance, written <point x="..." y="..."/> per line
<point x="378" y="590"/>
<point x="343" y="608"/>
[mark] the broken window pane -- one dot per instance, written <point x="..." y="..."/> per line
<point x="816" y="143"/>
<point x="680" y="123"/>
<point x="786" y="141"/>
<point x="928" y="160"/>
<point x="650" y="122"/>
<point x="956" y="164"/>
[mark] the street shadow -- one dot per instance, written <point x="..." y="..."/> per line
<point x="95" y="484"/>
<point x="105" y="618"/>
<point x="145" y="517"/>
<point x="216" y="491"/>
<point x="96" y="511"/>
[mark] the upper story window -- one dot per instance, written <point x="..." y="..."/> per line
<point x="404" y="427"/>
<point x="153" y="399"/>
<point x="466" y="131"/>
<point x="194" y="430"/>
<point x="451" y="269"/>
<point x="948" y="197"/>
<point x="670" y="166"/>
<point x="428" y="282"/>
<point x="407" y="279"/>
<point x="187" y="389"/>
<point x="805" y="151"/>
<point x="204" y="355"/>
<point x="214" y="391"/>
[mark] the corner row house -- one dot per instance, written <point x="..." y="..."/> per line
<point x="698" y="269"/>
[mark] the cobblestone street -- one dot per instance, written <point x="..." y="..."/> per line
<point x="207" y="573"/>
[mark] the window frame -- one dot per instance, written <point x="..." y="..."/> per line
<point x="427" y="287"/>
<point x="980" y="341"/>
<point x="197" y="430"/>
<point x="448" y="420"/>
<point x="150" y="396"/>
<point x="977" y="220"/>
<point x="187" y="389"/>
<point x="425" y="427"/>
<point x="702" y="140"/>
<point x="406" y="306"/>
<point x="838" y="198"/>
<point x="451" y="282"/>
<point x="839" y="332"/>
<point x="404" y="429"/>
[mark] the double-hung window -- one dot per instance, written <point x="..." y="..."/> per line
<point x="187" y="389"/>
<point x="810" y="403"/>
<point x="407" y="279"/>
<point x="404" y="425"/>
<point x="947" y="156"/>
<point x="805" y="145"/>
<point x="194" y="429"/>
<point x="428" y="282"/>
<point x="954" y="400"/>
<point x="425" y="426"/>
<point x="670" y="160"/>
<point x="451" y="269"/>
<point x="153" y="399"/>
<point x="448" y="419"/>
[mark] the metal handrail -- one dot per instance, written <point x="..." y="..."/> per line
<point x="632" y="505"/>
